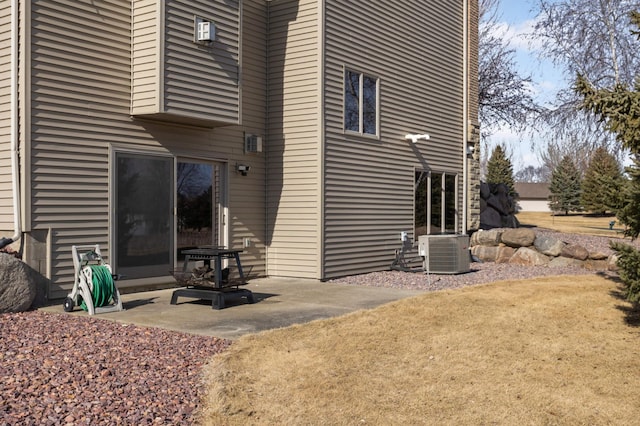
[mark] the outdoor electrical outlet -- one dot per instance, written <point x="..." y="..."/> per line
<point x="247" y="242"/>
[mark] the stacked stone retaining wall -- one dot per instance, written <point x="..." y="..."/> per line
<point x="523" y="247"/>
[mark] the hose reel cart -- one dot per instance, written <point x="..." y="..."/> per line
<point x="94" y="289"/>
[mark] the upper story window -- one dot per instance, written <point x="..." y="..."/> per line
<point x="361" y="103"/>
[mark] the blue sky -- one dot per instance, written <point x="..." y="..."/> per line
<point x="518" y="18"/>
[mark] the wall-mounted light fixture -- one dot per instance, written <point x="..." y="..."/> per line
<point x="416" y="138"/>
<point x="470" y="150"/>
<point x="243" y="169"/>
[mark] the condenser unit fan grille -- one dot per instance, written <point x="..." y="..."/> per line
<point x="445" y="254"/>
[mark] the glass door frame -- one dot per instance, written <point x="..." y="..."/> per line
<point x="223" y="211"/>
<point x="426" y="177"/>
<point x="113" y="206"/>
<point x="223" y="204"/>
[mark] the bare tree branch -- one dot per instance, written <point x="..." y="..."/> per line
<point x="505" y="95"/>
<point x="592" y="38"/>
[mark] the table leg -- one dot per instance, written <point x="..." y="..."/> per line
<point x="218" y="272"/>
<point x="237" y="257"/>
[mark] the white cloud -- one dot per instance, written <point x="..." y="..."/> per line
<point x="547" y="80"/>
<point x="518" y="147"/>
<point x="518" y="35"/>
<point x="521" y="36"/>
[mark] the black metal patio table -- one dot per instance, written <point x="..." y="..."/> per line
<point x="217" y="290"/>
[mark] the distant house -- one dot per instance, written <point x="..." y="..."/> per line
<point x="534" y="197"/>
<point x="308" y="133"/>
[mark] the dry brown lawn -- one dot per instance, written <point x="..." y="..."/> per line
<point x="556" y="350"/>
<point x="573" y="223"/>
<point x="550" y="351"/>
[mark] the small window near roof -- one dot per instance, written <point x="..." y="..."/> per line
<point x="360" y="103"/>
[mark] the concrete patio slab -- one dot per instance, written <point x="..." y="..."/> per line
<point x="278" y="303"/>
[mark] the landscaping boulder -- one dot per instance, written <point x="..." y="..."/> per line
<point x="595" y="265"/>
<point x="485" y="190"/>
<point x="563" y="262"/>
<point x="501" y="245"/>
<point x="528" y="257"/>
<point x="18" y="285"/>
<point x="548" y="245"/>
<point x="490" y="237"/>
<point x="497" y="207"/>
<point x="498" y="203"/>
<point x="485" y="253"/>
<point x="490" y="218"/>
<point x="575" y="251"/>
<point x="505" y="253"/>
<point x="598" y="255"/>
<point x="520" y="237"/>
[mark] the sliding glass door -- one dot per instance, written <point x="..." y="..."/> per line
<point x="148" y="237"/>
<point x="143" y="218"/>
<point x="200" y="205"/>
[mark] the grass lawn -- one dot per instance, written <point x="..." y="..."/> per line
<point x="559" y="350"/>
<point x="573" y="223"/>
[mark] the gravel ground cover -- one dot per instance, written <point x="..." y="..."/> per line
<point x="482" y="273"/>
<point x="58" y="369"/>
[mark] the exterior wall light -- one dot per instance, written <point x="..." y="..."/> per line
<point x="243" y="169"/>
<point x="416" y="138"/>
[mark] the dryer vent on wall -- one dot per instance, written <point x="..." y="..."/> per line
<point x="445" y="254"/>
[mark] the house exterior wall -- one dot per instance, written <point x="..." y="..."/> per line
<point x="145" y="57"/>
<point x="294" y="143"/>
<point x="328" y="204"/>
<point x="80" y="100"/>
<point x="533" y="197"/>
<point x="533" y="205"/>
<point x="473" y="137"/>
<point x="247" y="193"/>
<point x="369" y="182"/>
<point x="6" y="193"/>
<point x="177" y="79"/>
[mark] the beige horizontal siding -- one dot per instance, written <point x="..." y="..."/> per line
<point x="202" y="82"/>
<point x="6" y="191"/>
<point x="145" y="60"/>
<point x="70" y="168"/>
<point x="294" y="210"/>
<point x="247" y="211"/>
<point x="177" y="79"/>
<point x="369" y="182"/>
<point x="80" y="110"/>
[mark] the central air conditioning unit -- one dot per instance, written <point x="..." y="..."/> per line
<point x="445" y="253"/>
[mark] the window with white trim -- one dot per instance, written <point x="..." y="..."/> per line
<point x="436" y="198"/>
<point x="361" y="103"/>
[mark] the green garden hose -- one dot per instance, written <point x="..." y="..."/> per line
<point x="103" y="287"/>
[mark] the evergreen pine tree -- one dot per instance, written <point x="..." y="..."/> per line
<point x="500" y="170"/>
<point x="602" y="183"/>
<point x="565" y="188"/>
<point x="619" y="108"/>
<point x="629" y="214"/>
